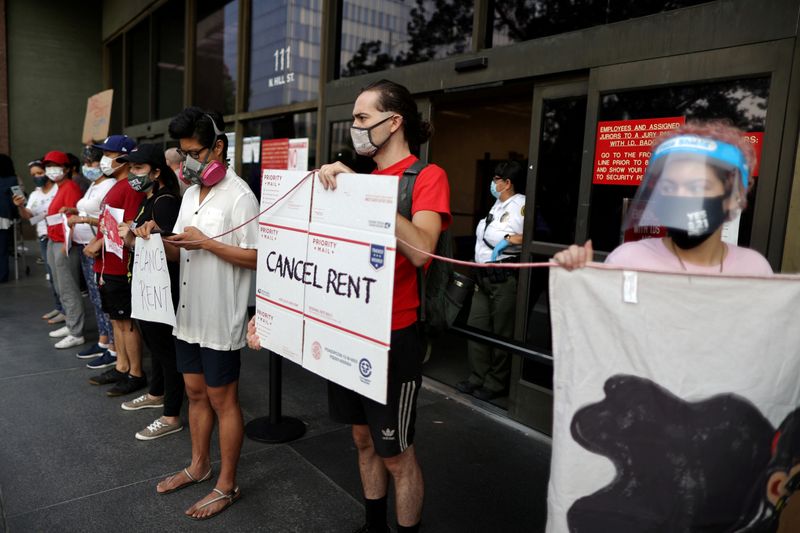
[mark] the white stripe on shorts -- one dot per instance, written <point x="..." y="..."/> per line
<point x="404" y="412"/>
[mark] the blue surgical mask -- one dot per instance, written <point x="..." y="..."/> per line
<point x="493" y="189"/>
<point x="91" y="173"/>
<point x="40" y="180"/>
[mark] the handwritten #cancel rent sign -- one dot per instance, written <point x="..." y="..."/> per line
<point x="151" y="291"/>
<point x="326" y="275"/>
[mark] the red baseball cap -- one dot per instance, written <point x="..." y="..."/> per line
<point x="60" y="158"/>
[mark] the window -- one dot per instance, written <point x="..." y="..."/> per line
<point x="406" y="33"/>
<point x="744" y="102"/>
<point x="153" y="63"/>
<point x="138" y="93"/>
<point x="522" y="20"/>
<point x="558" y="170"/>
<point x="290" y="126"/>
<point x="168" y="39"/>
<point x="284" y="53"/>
<point x="216" y="55"/>
<point x="116" y="67"/>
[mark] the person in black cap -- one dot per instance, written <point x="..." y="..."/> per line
<point x="150" y="174"/>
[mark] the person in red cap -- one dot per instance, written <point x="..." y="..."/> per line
<point x="66" y="267"/>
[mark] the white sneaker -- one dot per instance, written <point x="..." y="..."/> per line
<point x="69" y="341"/>
<point x="60" y="332"/>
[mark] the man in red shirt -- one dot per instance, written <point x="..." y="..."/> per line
<point x="387" y="127"/>
<point x="113" y="278"/>
<point x="65" y="267"/>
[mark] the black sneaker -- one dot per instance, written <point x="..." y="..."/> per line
<point x="127" y="385"/>
<point x="111" y="375"/>
<point x="466" y="386"/>
<point x="485" y="394"/>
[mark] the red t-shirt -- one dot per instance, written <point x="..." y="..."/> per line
<point x="120" y="196"/>
<point x="67" y="195"/>
<point x="431" y="193"/>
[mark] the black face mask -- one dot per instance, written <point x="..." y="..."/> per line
<point x="690" y="221"/>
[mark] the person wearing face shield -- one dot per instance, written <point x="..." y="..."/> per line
<point x="83" y="219"/>
<point x="113" y="278"/>
<point x="35" y="211"/>
<point x="697" y="179"/>
<point x="499" y="239"/>
<point x="150" y="174"/>
<point x="65" y="267"/>
<point x="387" y="127"/>
<point x="217" y="253"/>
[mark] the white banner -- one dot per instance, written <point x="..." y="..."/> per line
<point x="319" y="280"/>
<point x="151" y="289"/>
<point x="675" y="401"/>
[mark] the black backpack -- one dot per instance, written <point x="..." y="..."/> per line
<point x="442" y="291"/>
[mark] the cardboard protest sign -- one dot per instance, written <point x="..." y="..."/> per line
<point x="283" y="238"/>
<point x="67" y="232"/>
<point x="318" y="280"/>
<point x="151" y="289"/>
<point x="110" y="220"/>
<point x="351" y="238"/>
<point x="98" y="116"/>
<point x="678" y="412"/>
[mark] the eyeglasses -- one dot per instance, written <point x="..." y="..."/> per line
<point x="194" y="154"/>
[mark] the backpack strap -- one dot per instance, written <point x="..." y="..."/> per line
<point x="405" y="188"/>
<point x="405" y="192"/>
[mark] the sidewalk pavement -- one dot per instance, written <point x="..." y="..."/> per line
<point x="69" y="460"/>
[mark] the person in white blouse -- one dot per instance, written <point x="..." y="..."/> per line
<point x="83" y="219"/>
<point x="35" y="211"/>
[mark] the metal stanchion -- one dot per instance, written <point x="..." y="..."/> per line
<point x="275" y="428"/>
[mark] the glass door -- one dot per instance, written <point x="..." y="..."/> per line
<point x="558" y="123"/>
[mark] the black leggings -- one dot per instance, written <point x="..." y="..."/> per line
<point x="165" y="380"/>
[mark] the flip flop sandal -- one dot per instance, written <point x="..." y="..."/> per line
<point x="232" y="496"/>
<point x="192" y="481"/>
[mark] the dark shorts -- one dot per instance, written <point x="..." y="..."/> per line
<point x="391" y="425"/>
<point x="219" y="368"/>
<point x="115" y="296"/>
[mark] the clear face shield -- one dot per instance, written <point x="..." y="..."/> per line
<point x="692" y="186"/>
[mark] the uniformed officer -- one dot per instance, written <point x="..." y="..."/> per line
<point x="499" y="239"/>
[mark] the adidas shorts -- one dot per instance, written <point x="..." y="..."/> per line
<point x="391" y="425"/>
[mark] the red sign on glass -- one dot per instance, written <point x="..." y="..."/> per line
<point x="275" y="154"/>
<point x="622" y="148"/>
<point x="756" y="138"/>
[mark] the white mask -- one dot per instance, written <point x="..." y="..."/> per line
<point x="362" y="138"/>
<point x="107" y="165"/>
<point x="54" y="173"/>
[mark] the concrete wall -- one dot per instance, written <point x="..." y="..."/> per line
<point x="54" y="65"/>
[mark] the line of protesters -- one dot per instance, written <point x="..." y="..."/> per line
<point x="696" y="170"/>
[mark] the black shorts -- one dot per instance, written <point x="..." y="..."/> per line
<point x="115" y="296"/>
<point x="391" y="425"/>
<point x="219" y="368"/>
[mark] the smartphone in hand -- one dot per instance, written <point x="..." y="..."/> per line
<point x="16" y="190"/>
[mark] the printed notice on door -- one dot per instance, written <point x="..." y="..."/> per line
<point x="622" y="148"/>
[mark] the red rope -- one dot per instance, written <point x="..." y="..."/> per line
<point x="246" y="222"/>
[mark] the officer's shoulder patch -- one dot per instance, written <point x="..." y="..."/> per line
<point x="522" y="211"/>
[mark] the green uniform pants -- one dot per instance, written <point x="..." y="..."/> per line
<point x="492" y="310"/>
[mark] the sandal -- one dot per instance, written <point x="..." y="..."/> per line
<point x="192" y="481"/>
<point x="232" y="496"/>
